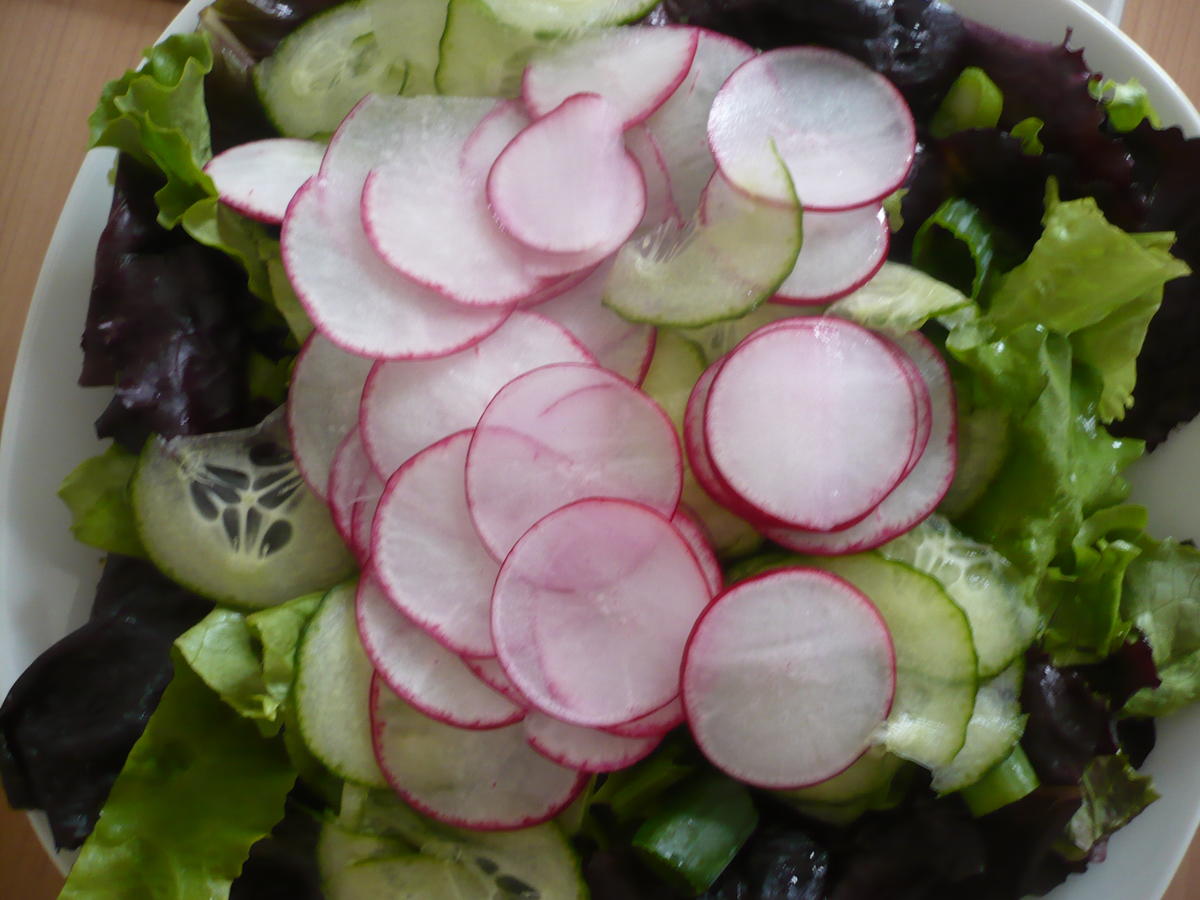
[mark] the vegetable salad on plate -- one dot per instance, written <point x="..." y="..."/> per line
<point x="615" y="450"/>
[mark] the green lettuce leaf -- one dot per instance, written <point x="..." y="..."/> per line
<point x="97" y="494"/>
<point x="1113" y="794"/>
<point x="1162" y="598"/>
<point x="199" y="788"/>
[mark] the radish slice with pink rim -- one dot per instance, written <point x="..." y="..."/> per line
<point x="354" y="491"/>
<point x="843" y="131"/>
<point x="811" y="423"/>
<point x="426" y="554"/>
<point x="920" y="492"/>
<point x="842" y="251"/>
<point x="635" y="69"/>
<point x="259" y="179"/>
<point x="657" y="723"/>
<point x="660" y="200"/>
<point x="586" y="749"/>
<point x="622" y="346"/>
<point x="701" y="546"/>
<point x="566" y="184"/>
<point x="322" y="404"/>
<point x="486" y="780"/>
<point x="422" y="671"/>
<point x="562" y="433"/>
<point x="787" y="677"/>
<point x="680" y="125"/>
<point x="491" y="673"/>
<point x="592" y="609"/>
<point x="406" y="406"/>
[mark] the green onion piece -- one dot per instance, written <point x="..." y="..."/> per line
<point x="973" y="101"/>
<point x="956" y="245"/>
<point x="1005" y="783"/>
<point x="1029" y="133"/>
<point x="697" y="833"/>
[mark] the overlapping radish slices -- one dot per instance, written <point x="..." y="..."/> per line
<point x="535" y="602"/>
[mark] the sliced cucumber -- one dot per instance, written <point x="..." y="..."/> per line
<point x="412" y="31"/>
<point x="936" y="666"/>
<point x="228" y="516"/>
<point x="409" y="877"/>
<point x="983" y="441"/>
<point x="674" y="368"/>
<point x="480" y="56"/>
<point x="983" y="583"/>
<point x="567" y="16"/>
<point x="332" y="693"/>
<point x="995" y="728"/>
<point x="322" y="69"/>
<point x="339" y="848"/>
<point x="719" y="338"/>
<point x="866" y="785"/>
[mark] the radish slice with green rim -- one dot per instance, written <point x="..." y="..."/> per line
<point x="259" y="179"/>
<point x="591" y="611"/>
<point x="919" y="493"/>
<point x="486" y="780"/>
<point x="680" y="126"/>
<point x="811" y="423"/>
<point x="422" y="671"/>
<point x="787" y="677"/>
<point x="406" y="406"/>
<point x="566" y="184"/>
<point x="491" y="673"/>
<point x="635" y="69"/>
<point x="842" y="251"/>
<point x="622" y="346"/>
<point x="843" y="131"/>
<point x="354" y="491"/>
<point x="698" y="541"/>
<point x="426" y="554"/>
<point x="585" y="749"/>
<point x="657" y="723"/>
<point x="327" y="383"/>
<point x="562" y="433"/>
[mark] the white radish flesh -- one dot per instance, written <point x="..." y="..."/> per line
<point x="635" y="69"/>
<point x="811" y="423"/>
<point x="322" y="402"/>
<point x="919" y="493"/>
<point x="842" y="251"/>
<point x="653" y="724"/>
<point x="422" y="671"/>
<point x="562" y="433"/>
<point x="787" y="677"/>
<point x="354" y="491"/>
<point x="259" y="179"/>
<point x="701" y="546"/>
<point x="486" y="780"/>
<point x="586" y="749"/>
<point x="844" y="132"/>
<point x="426" y="553"/>
<point x="660" y="199"/>
<point x="592" y="609"/>
<point x="566" y="184"/>
<point x="406" y="406"/>
<point x="491" y="673"/>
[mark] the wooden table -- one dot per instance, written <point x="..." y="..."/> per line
<point x="54" y="57"/>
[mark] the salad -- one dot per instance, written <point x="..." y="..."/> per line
<point x="330" y="653"/>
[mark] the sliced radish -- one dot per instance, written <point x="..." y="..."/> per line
<point x="591" y="611"/>
<point x="355" y="299"/>
<point x="680" y="126"/>
<point x="586" y="749"/>
<point x="487" y="780"/>
<point x="842" y="251"/>
<point x="406" y="406"/>
<point x="426" y="553"/>
<point x="491" y="673"/>
<point x="812" y="425"/>
<point x="422" y="671"/>
<point x="921" y="490"/>
<point x="321" y="409"/>
<point x="924" y="405"/>
<point x="354" y="491"/>
<point x="566" y="184"/>
<point x="701" y="546"/>
<point x="843" y="131"/>
<point x="657" y="723"/>
<point x="635" y="69"/>
<point x="697" y="447"/>
<point x="786" y="678"/>
<point x="660" y="200"/>
<point x="259" y="179"/>
<point x="624" y="347"/>
<point x="562" y="433"/>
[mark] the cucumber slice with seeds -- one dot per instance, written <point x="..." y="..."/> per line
<point x="228" y="516"/>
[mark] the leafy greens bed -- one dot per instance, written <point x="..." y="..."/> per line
<point x="1052" y="201"/>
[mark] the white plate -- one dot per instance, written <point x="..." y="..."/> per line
<point x="48" y="579"/>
